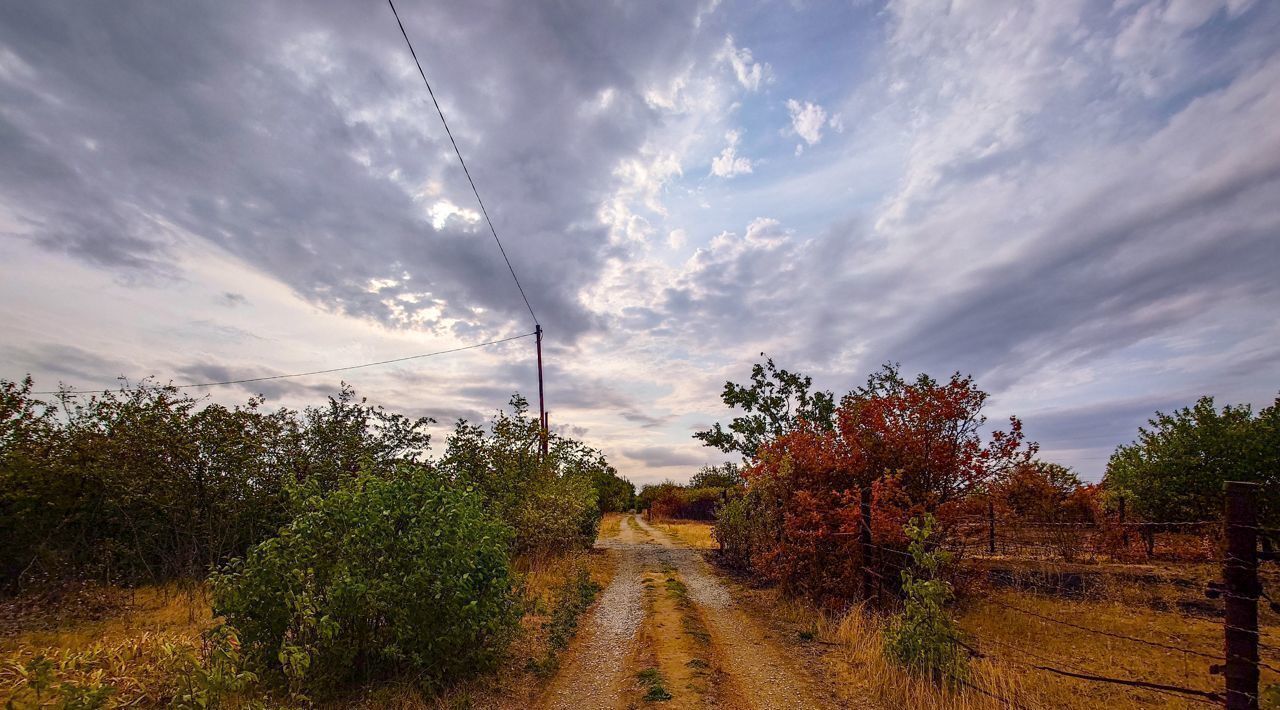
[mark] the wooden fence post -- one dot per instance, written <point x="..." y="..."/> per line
<point x="991" y="526"/>
<point x="864" y="535"/>
<point x="1241" y="589"/>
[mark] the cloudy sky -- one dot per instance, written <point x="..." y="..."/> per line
<point x="1077" y="202"/>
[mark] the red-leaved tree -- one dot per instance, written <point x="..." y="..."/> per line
<point x="913" y="446"/>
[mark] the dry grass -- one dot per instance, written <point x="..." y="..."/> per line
<point x="850" y="647"/>
<point x="693" y="533"/>
<point x="611" y="525"/>
<point x="143" y="653"/>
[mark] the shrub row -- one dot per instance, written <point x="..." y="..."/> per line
<point x="342" y="550"/>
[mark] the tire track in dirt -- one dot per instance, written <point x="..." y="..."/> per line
<point x="759" y="671"/>
<point x="599" y="669"/>
<point x="595" y="671"/>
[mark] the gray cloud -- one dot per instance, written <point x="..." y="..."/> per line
<point x="663" y="456"/>
<point x="296" y="136"/>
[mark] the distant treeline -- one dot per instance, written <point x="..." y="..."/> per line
<point x="700" y="499"/>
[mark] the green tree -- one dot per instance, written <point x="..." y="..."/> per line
<point x="1175" y="469"/>
<point x="550" y="501"/>
<point x="725" y="475"/>
<point x="773" y="403"/>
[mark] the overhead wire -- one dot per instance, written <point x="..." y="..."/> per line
<point x="458" y="152"/>
<point x="265" y="378"/>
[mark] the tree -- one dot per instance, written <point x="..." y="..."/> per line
<point x="913" y="447"/>
<point x="774" y="403"/>
<point x="927" y="434"/>
<point x="1038" y="490"/>
<point x="725" y="475"/>
<point x="613" y="492"/>
<point x="550" y="502"/>
<point x="1176" y="468"/>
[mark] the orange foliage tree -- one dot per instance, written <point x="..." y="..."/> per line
<point x="914" y="446"/>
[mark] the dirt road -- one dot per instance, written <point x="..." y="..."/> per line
<point x="667" y="631"/>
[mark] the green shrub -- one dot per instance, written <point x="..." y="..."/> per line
<point x="924" y="637"/>
<point x="747" y="528"/>
<point x="550" y="502"/>
<point x="404" y="572"/>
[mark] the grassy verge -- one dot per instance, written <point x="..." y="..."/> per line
<point x="146" y="647"/>
<point x="143" y="647"/>
<point x="850" y="649"/>
<point x="610" y="525"/>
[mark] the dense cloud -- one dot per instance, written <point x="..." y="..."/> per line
<point x="1072" y="200"/>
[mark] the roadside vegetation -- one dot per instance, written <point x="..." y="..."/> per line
<point x="938" y="628"/>
<point x="316" y="556"/>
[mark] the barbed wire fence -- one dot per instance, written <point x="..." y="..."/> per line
<point x="1238" y="534"/>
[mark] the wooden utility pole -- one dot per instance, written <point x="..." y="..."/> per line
<point x="542" y="401"/>
<point x="1241" y="590"/>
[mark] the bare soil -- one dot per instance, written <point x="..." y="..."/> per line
<point x="667" y="619"/>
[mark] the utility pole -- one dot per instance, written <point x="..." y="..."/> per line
<point x="542" y="401"/>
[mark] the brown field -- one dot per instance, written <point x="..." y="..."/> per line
<point x="695" y="534"/>
<point x="1140" y="601"/>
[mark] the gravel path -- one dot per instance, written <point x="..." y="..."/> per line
<point x="595" y="672"/>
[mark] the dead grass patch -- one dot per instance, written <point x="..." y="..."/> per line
<point x="610" y="525"/>
<point x="850" y="647"/>
<point x="691" y="533"/>
<point x="137" y="647"/>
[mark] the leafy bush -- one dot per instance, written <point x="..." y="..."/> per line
<point x="550" y="502"/>
<point x="142" y="483"/>
<point x="402" y="572"/>
<point x="747" y="529"/>
<point x="671" y="500"/>
<point x="924" y="637"/>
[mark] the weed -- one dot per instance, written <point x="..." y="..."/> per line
<point x="572" y="598"/>
<point x="652" y="677"/>
<point x="924" y="637"/>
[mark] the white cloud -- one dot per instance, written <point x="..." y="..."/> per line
<point x="641" y="183"/>
<point x="807" y="120"/>
<point x="443" y="210"/>
<point x="749" y="72"/>
<point x="729" y="163"/>
<point x="677" y="238"/>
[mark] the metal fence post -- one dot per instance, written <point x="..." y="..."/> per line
<point x="865" y="538"/>
<point x="1124" y="530"/>
<point x="991" y="527"/>
<point x="1240" y="587"/>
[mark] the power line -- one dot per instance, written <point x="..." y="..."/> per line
<point x="493" y="230"/>
<point x="330" y="370"/>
